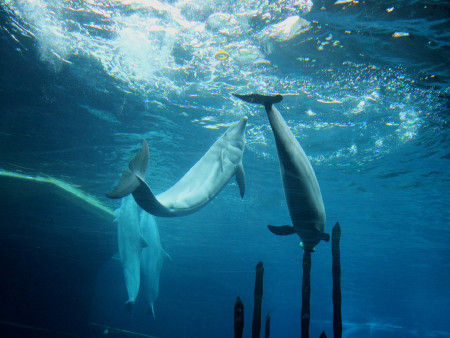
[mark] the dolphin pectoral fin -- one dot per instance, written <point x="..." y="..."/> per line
<point x="324" y="236"/>
<point x="240" y="179"/>
<point x="127" y="184"/>
<point x="282" y="230"/>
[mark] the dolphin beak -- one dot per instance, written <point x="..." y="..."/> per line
<point x="242" y="124"/>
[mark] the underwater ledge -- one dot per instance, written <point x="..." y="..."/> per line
<point x="53" y="240"/>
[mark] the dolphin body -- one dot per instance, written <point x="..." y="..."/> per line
<point x="301" y="189"/>
<point x="152" y="260"/>
<point x="198" y="186"/>
<point x="130" y="243"/>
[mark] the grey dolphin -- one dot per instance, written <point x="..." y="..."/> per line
<point x="152" y="260"/>
<point x="198" y="186"/>
<point x="301" y="189"/>
<point x="131" y="244"/>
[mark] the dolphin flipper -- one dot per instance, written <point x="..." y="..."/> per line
<point x="324" y="236"/>
<point x="240" y="179"/>
<point x="128" y="181"/>
<point x="282" y="230"/>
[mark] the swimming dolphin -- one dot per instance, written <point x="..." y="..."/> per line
<point x="152" y="260"/>
<point x="131" y="243"/>
<point x="301" y="189"/>
<point x="198" y="186"/>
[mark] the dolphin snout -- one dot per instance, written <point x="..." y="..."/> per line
<point x="242" y="124"/>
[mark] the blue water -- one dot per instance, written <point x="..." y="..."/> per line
<point x="366" y="86"/>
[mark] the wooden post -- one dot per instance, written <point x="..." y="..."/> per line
<point x="256" y="325"/>
<point x="323" y="335"/>
<point x="238" y="318"/>
<point x="306" y="293"/>
<point x="336" y="272"/>
<point x="267" y="331"/>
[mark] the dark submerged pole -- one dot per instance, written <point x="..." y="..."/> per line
<point x="323" y="335"/>
<point x="267" y="331"/>
<point x="238" y="318"/>
<point x="336" y="272"/>
<point x="306" y="293"/>
<point x="256" y="324"/>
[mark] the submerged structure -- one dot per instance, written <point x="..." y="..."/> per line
<point x="53" y="240"/>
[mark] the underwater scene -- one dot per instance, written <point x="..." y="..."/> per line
<point x="198" y="169"/>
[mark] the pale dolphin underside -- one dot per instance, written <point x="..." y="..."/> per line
<point x="301" y="189"/>
<point x="198" y="186"/>
<point x="131" y="243"/>
<point x="152" y="259"/>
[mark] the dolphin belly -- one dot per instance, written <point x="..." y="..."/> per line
<point x="130" y="246"/>
<point x="198" y="186"/>
<point x="301" y="188"/>
<point x="152" y="260"/>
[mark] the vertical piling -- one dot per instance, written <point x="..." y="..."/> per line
<point x="267" y="330"/>
<point x="238" y="318"/>
<point x="256" y="324"/>
<point x="336" y="272"/>
<point x="306" y="293"/>
<point x="323" y="335"/>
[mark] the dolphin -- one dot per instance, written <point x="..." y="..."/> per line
<point x="130" y="243"/>
<point x="301" y="189"/>
<point x="198" y="186"/>
<point x="152" y="260"/>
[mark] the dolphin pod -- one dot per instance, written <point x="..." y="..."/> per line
<point x="198" y="186"/>
<point x="301" y="188"/>
<point x="140" y="252"/>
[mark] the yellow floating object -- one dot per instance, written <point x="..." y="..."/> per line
<point x="222" y="55"/>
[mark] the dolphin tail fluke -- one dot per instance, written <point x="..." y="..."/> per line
<point x="282" y="230"/>
<point x="266" y="100"/>
<point x="127" y="184"/>
<point x="138" y="165"/>
<point x="129" y="180"/>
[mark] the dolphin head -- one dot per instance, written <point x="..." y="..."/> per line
<point x="235" y="134"/>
